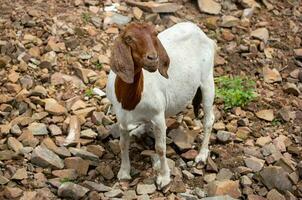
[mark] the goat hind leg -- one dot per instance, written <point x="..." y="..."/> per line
<point x="208" y="94"/>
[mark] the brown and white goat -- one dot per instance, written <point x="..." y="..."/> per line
<point x="156" y="76"/>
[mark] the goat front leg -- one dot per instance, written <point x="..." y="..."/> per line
<point x="124" y="172"/>
<point x="208" y="94"/>
<point x="163" y="177"/>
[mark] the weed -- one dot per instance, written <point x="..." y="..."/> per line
<point x="276" y="122"/>
<point x="235" y="91"/>
<point x="64" y="180"/>
<point x="86" y="17"/>
<point x="89" y="92"/>
<point x="98" y="65"/>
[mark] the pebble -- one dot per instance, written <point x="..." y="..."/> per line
<point x="72" y="190"/>
<point x="145" y="189"/>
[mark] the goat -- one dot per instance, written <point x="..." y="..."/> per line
<point x="155" y="76"/>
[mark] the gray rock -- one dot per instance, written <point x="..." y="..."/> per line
<point x="99" y="187"/>
<point x="43" y="157"/>
<point x="38" y="128"/>
<point x="72" y="190"/>
<point x="224" y="136"/>
<point x="83" y="154"/>
<point x="145" y="188"/>
<point x="254" y="163"/>
<point x="114" y="193"/>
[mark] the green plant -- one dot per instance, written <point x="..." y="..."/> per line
<point x="64" y="180"/>
<point x="276" y="122"/>
<point x="235" y="91"/>
<point x="98" y="65"/>
<point x="86" y="17"/>
<point x="89" y="92"/>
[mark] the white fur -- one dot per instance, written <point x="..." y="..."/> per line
<point x="191" y="55"/>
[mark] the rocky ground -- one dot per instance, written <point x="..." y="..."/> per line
<point x="54" y="62"/>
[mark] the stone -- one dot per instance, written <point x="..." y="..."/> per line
<point x="114" y="193"/>
<point x="50" y="58"/>
<point x="3" y="180"/>
<point x="96" y="150"/>
<point x="61" y="151"/>
<point x="267" y="115"/>
<point x="54" y="130"/>
<point x="83" y="154"/>
<point x="105" y="170"/>
<point x="271" y="75"/>
<point x="74" y="131"/>
<point x="263" y="141"/>
<point x="245" y="181"/>
<point x="138" y="13"/>
<point x="275" y="177"/>
<point x="43" y="157"/>
<point x="189" y="155"/>
<point x="38" y="129"/>
<point x="12" y="192"/>
<point x="255" y="197"/>
<point x="291" y="88"/>
<point x="219" y="126"/>
<point x="298" y="53"/>
<point x="250" y="4"/>
<point x="81" y="166"/>
<point x="130" y="195"/>
<point x="53" y="107"/>
<point x="224" y="174"/>
<point x="145" y="188"/>
<point x="116" y="19"/>
<point x="254" y="163"/>
<point x="188" y="175"/>
<point x="261" y="34"/>
<point x="39" y="91"/>
<point x="209" y="6"/>
<point x="14" y="144"/>
<point x="224" y="136"/>
<point x="69" y="174"/>
<point x="224" y="197"/>
<point x="183" y="139"/>
<point x="155" y="7"/>
<point x="225" y="187"/>
<point x="274" y="195"/>
<point x="211" y="165"/>
<point x="20" y="174"/>
<point x="300" y="76"/>
<point x="72" y="191"/>
<point x="178" y="186"/>
<point x="99" y="187"/>
<point x="229" y="21"/>
<point x="89" y="134"/>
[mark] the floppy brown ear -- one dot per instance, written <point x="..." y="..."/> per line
<point x="121" y="61"/>
<point x="164" y="60"/>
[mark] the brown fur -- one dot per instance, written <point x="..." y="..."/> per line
<point x="131" y="52"/>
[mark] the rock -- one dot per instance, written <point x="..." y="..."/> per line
<point x="271" y="75"/>
<point x="145" y="188"/>
<point x="211" y="165"/>
<point x="138" y="13"/>
<point x="255" y="197"/>
<point x="225" y="197"/>
<point x="54" y="130"/>
<point x="263" y="141"/>
<point x="155" y="7"/>
<point x="188" y="196"/>
<point x="20" y="174"/>
<point x="267" y="115"/>
<point x="53" y="107"/>
<point x="12" y="192"/>
<point x="224" y="174"/>
<point x="188" y="175"/>
<point x="224" y="136"/>
<point x="89" y="134"/>
<point x="106" y="171"/>
<point x="96" y="150"/>
<point x="291" y="88"/>
<point x="99" y="187"/>
<point x="299" y="167"/>
<point x="43" y="157"/>
<point x="300" y="76"/>
<point x="129" y="195"/>
<point x="72" y="190"/>
<point x="261" y="34"/>
<point x="38" y="128"/>
<point x="225" y="187"/>
<point x="208" y="178"/>
<point x="83" y="154"/>
<point x="190" y="155"/>
<point x="97" y="117"/>
<point x="298" y="53"/>
<point x="275" y="177"/>
<point x="183" y="140"/>
<point x="249" y="4"/>
<point x="209" y="6"/>
<point x="229" y="21"/>
<point x="116" y="19"/>
<point x="39" y="91"/>
<point x="274" y="195"/>
<point x="81" y="166"/>
<point x="74" y="131"/>
<point x="61" y="151"/>
<point x="245" y="181"/>
<point x="14" y="144"/>
<point x="254" y="163"/>
<point x="3" y="180"/>
<point x="177" y="186"/>
<point x="114" y="193"/>
<point x="69" y="174"/>
<point x="49" y="59"/>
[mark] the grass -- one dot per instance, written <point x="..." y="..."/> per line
<point x="65" y="180"/>
<point x="276" y="122"/>
<point x="235" y="91"/>
<point x="89" y="92"/>
<point x="86" y="17"/>
<point x="98" y="65"/>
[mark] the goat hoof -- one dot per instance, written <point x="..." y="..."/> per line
<point x="202" y="156"/>
<point x="123" y="175"/>
<point x="162" y="181"/>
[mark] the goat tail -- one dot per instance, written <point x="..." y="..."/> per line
<point x="196" y="101"/>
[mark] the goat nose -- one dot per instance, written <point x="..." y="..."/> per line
<point x="152" y="57"/>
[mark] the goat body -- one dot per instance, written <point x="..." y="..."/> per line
<point x="191" y="55"/>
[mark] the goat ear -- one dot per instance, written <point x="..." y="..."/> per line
<point x="121" y="61"/>
<point x="164" y="60"/>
